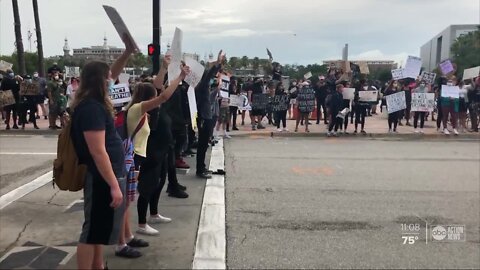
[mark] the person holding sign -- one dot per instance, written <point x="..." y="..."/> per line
<point x="449" y="101"/>
<point x="360" y="107"/>
<point x="281" y="114"/>
<point x="11" y="84"/>
<point x="335" y="105"/>
<point x="233" y="91"/>
<point x="392" y="88"/>
<point x="305" y="104"/>
<point x="421" y="89"/>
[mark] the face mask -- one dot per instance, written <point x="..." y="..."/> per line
<point x="35" y="75"/>
<point x="294" y="84"/>
<point x="449" y="84"/>
<point x="60" y="83"/>
<point x="422" y="85"/>
<point x="56" y="77"/>
<point x="11" y="75"/>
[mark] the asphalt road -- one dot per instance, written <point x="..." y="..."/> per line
<point x="341" y="203"/>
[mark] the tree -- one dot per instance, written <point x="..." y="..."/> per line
<point x="18" y="38"/>
<point x="244" y="61"/>
<point x="234" y="62"/>
<point x="466" y="51"/>
<point x="41" y="65"/>
<point x="255" y="64"/>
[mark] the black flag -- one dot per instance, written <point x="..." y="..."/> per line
<point x="269" y="54"/>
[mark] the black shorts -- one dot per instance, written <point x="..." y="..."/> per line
<point x="257" y="112"/>
<point x="102" y="223"/>
<point x="462" y="106"/>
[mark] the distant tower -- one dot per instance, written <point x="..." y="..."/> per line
<point x="106" y="49"/>
<point x="66" y="49"/>
<point x="345" y="53"/>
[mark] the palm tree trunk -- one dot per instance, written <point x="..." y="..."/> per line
<point x="40" y="63"/>
<point x="18" y="39"/>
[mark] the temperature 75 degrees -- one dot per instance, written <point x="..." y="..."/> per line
<point x="409" y="239"/>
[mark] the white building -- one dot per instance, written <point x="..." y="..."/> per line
<point x="103" y="53"/>
<point x="439" y="47"/>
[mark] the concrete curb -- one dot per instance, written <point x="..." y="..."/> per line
<point x="210" y="248"/>
<point x="29" y="132"/>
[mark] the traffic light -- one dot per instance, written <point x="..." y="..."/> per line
<point x="153" y="49"/>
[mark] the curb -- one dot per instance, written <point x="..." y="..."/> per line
<point x="20" y="132"/>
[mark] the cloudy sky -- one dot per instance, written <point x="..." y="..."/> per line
<point x="302" y="31"/>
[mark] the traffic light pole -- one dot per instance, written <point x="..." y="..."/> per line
<point x="157" y="31"/>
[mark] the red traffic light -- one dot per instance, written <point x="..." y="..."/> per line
<point x="153" y="49"/>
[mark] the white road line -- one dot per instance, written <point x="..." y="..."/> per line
<point x="32" y="153"/>
<point x="210" y="248"/>
<point x="25" y="189"/>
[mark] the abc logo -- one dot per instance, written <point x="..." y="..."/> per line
<point x="439" y="233"/>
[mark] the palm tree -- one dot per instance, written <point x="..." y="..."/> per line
<point x="40" y="63"/>
<point x="18" y="38"/>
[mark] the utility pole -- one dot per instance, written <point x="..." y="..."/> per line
<point x="157" y="32"/>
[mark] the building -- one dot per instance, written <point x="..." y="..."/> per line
<point x="439" y="47"/>
<point x="103" y="53"/>
<point x="373" y="65"/>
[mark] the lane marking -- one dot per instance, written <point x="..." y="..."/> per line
<point x="211" y="243"/>
<point x="27" y="153"/>
<point x="19" y="192"/>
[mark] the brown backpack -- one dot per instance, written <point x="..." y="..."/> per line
<point x="68" y="174"/>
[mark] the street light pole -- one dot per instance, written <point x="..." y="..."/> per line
<point x="157" y="31"/>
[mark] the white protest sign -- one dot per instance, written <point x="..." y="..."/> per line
<point x="450" y="91"/>
<point x="396" y="102"/>
<point x="123" y="78"/>
<point x="423" y="102"/>
<point x="196" y="72"/>
<point x="236" y="101"/>
<point x="120" y="94"/>
<point x="397" y="74"/>
<point x="348" y="93"/>
<point x="412" y="67"/>
<point x="72" y="72"/>
<point x="368" y="96"/>
<point x="364" y="67"/>
<point x="471" y="73"/>
<point x="446" y="67"/>
<point x="308" y="75"/>
<point x="174" y="69"/>
<point x="224" y="86"/>
<point x="192" y="104"/>
<point x="119" y="25"/>
<point x="4" y="66"/>
<point x="428" y="77"/>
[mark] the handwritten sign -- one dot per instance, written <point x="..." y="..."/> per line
<point x="224" y="86"/>
<point x="306" y="99"/>
<point x="348" y="93"/>
<point x="471" y="73"/>
<point x="119" y="25"/>
<point x="4" y="66"/>
<point x="308" y="75"/>
<point x="446" y="67"/>
<point x="396" y="102"/>
<point x="196" y="72"/>
<point x="412" y="67"/>
<point x="120" y="94"/>
<point x="363" y="67"/>
<point x="174" y="69"/>
<point x="397" y="74"/>
<point x="260" y="101"/>
<point x="450" y="91"/>
<point x="368" y="96"/>
<point x="428" y="77"/>
<point x="423" y="102"/>
<point x="29" y="89"/>
<point x="72" y="72"/>
<point x="236" y="101"/>
<point x="6" y="98"/>
<point x="192" y="104"/>
<point x="280" y="103"/>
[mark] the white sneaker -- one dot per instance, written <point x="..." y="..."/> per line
<point x="417" y="131"/>
<point x="226" y="136"/>
<point x="455" y="131"/>
<point x="390" y="131"/>
<point x="159" y="219"/>
<point x="329" y="134"/>
<point x="147" y="230"/>
<point x="286" y="129"/>
<point x="279" y="129"/>
<point x="446" y="132"/>
<point x="421" y="131"/>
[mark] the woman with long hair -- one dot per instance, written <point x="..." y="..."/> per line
<point x="100" y="148"/>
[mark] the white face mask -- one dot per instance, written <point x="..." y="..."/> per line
<point x="422" y="85"/>
<point x="35" y="75"/>
<point x="60" y="83"/>
<point x="449" y="83"/>
<point x="56" y="77"/>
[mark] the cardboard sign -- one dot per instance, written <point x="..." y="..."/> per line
<point x="368" y="96"/>
<point x="446" y="67"/>
<point x="412" y="67"/>
<point x="397" y="74"/>
<point x="348" y="93"/>
<point x="119" y="25"/>
<point x="174" y="69"/>
<point x="260" y="101"/>
<point x="196" y="72"/>
<point x="72" y="72"/>
<point x="4" y="66"/>
<point x="428" y="77"/>
<point x="236" y="101"/>
<point x="363" y="67"/>
<point x="29" y="89"/>
<point x="308" y="75"/>
<point x="120" y="94"/>
<point x="450" y="91"/>
<point x="396" y="102"/>
<point x="280" y="103"/>
<point x="306" y="99"/>
<point x="6" y="98"/>
<point x="192" y="104"/>
<point x="471" y="73"/>
<point x="224" y="86"/>
<point x="423" y="102"/>
<point x="123" y="78"/>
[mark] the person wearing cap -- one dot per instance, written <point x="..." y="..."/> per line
<point x="40" y="99"/>
<point x="320" y="95"/>
<point x="11" y="82"/>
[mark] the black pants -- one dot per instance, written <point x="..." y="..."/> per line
<point x="336" y="122"/>
<point x="473" y="108"/>
<point x="393" y="119"/>
<point x="205" y="128"/>
<point x="360" y="112"/>
<point x="180" y="136"/>
<point x="416" y="115"/>
<point x="143" y="202"/>
<point x="281" y="116"/>
<point x="321" y="105"/>
<point x="439" y="115"/>
<point x="345" y="121"/>
<point x="171" y="168"/>
<point x="233" y="115"/>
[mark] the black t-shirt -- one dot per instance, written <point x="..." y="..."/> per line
<point x="90" y="115"/>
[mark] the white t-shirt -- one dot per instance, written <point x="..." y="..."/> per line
<point x="70" y="95"/>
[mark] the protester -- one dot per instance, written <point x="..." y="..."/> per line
<point x="281" y="116"/>
<point x="256" y="115"/>
<point x="71" y="89"/>
<point x="474" y="100"/>
<point x="346" y="104"/>
<point x="302" y="115"/>
<point x="422" y="88"/>
<point x="335" y="105"/>
<point x="321" y="90"/>
<point x="450" y="108"/>
<point x="291" y="91"/>
<point x="42" y="85"/>
<point x="54" y="90"/>
<point x="463" y="107"/>
<point x="224" y="116"/>
<point x="393" y="118"/>
<point x="408" y="100"/>
<point x="11" y="82"/>
<point x="360" y="107"/>
<point x="233" y="90"/>
<point x="27" y="107"/>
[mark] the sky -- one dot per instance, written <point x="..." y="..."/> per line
<point x="296" y="32"/>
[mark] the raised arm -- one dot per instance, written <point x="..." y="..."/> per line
<point x="121" y="62"/>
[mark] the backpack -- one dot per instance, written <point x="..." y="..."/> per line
<point x="68" y="174"/>
<point x="121" y="127"/>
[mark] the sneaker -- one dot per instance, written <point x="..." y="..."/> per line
<point x="363" y="132"/>
<point x="390" y="131"/>
<point x="159" y="219"/>
<point x="285" y="129"/>
<point x="421" y="131"/>
<point x="345" y="132"/>
<point x="455" y="131"/>
<point x="254" y="127"/>
<point x="137" y="242"/>
<point x="190" y="152"/>
<point x="234" y="128"/>
<point x="329" y="134"/>
<point x="260" y="126"/>
<point x="180" y="164"/>
<point x="446" y="132"/>
<point x="128" y="252"/>
<point x="178" y="193"/>
<point x="15" y="126"/>
<point x="176" y="186"/>
<point x="417" y="130"/>
<point x="279" y="129"/>
<point x="226" y="136"/>
<point x="335" y="134"/>
<point x="400" y="124"/>
<point x="355" y="132"/>
<point x="147" y="230"/>
<point x="204" y="175"/>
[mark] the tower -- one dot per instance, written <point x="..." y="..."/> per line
<point x="106" y="49"/>
<point x="345" y="53"/>
<point x="66" y="48"/>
